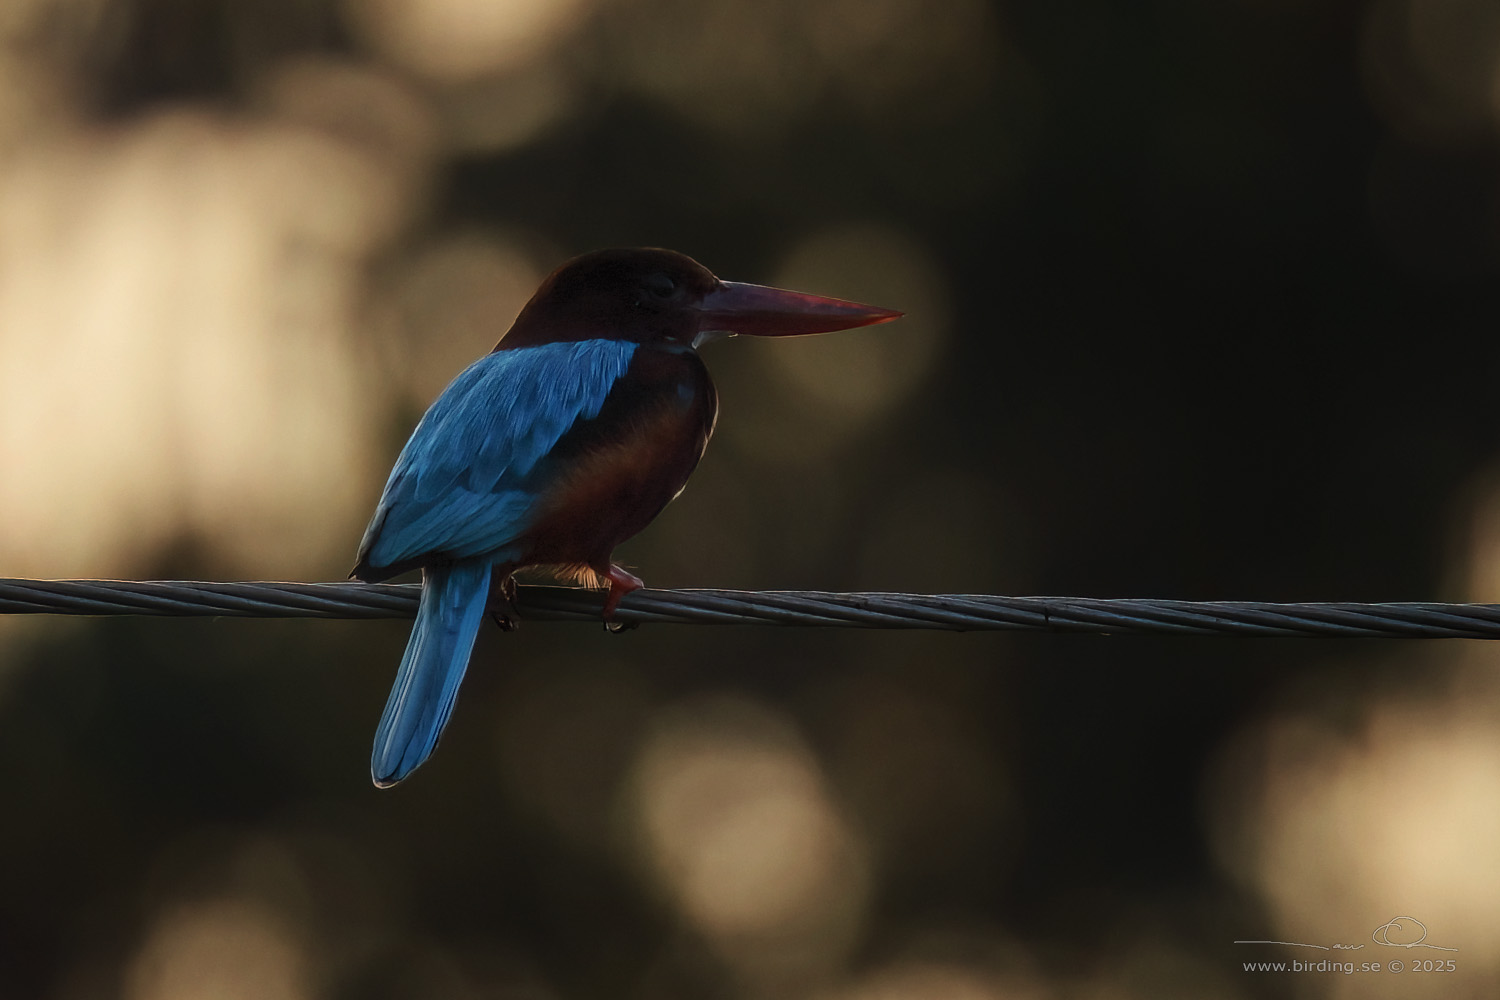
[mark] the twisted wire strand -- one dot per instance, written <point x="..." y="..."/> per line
<point x="950" y="612"/>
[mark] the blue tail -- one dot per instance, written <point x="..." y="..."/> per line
<point x="453" y="599"/>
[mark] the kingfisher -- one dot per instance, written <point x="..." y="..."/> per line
<point x="568" y="438"/>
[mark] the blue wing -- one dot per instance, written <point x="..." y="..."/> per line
<point x="461" y="487"/>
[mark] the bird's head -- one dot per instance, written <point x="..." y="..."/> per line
<point x="649" y="295"/>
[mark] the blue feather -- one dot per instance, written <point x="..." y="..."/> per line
<point x="453" y="599"/>
<point x="462" y="491"/>
<point x="461" y="486"/>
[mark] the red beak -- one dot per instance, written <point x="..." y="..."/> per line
<point x="760" y="311"/>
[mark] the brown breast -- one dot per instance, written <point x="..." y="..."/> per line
<point x="612" y="475"/>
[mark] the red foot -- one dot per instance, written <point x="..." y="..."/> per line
<point x="620" y="584"/>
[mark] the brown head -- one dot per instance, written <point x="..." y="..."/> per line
<point x="649" y="295"/>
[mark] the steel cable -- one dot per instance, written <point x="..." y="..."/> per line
<point x="951" y="612"/>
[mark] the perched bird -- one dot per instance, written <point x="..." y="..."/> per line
<point x="581" y="425"/>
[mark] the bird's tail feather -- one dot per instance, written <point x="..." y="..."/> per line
<point x="453" y="601"/>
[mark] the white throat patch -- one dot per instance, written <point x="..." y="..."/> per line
<point x="709" y="336"/>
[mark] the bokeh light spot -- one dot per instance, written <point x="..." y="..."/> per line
<point x="1430" y="66"/>
<point x="457" y="40"/>
<point x="871" y="370"/>
<point x="816" y="391"/>
<point x="457" y="296"/>
<point x="226" y="949"/>
<point x="923" y="979"/>
<point x="1335" y="828"/>
<point x="205" y="385"/>
<point x="738" y="823"/>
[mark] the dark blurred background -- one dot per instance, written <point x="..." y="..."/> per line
<point x="1202" y="304"/>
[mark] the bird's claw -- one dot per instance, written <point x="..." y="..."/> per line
<point x="621" y="582"/>
<point x="502" y="609"/>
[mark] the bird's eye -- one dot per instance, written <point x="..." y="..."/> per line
<point x="660" y="286"/>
